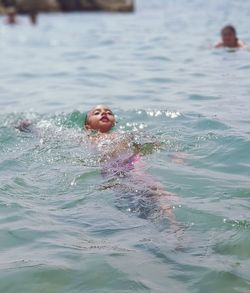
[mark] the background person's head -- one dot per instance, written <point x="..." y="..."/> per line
<point x="229" y="36"/>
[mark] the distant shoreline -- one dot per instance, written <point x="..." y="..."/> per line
<point x="26" y="6"/>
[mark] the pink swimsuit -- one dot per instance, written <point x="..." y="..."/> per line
<point x="120" y="166"/>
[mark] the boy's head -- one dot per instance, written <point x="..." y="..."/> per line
<point x="100" y="118"/>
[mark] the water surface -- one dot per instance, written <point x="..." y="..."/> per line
<point x="60" y="230"/>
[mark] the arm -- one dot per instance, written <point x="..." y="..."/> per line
<point x="219" y="45"/>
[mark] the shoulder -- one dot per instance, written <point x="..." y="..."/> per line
<point x="241" y="44"/>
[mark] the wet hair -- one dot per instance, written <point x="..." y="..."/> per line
<point x="86" y="119"/>
<point x="229" y="27"/>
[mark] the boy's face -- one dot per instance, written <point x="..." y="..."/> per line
<point x="100" y="118"/>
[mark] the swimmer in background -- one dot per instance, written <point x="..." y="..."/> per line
<point x="33" y="17"/>
<point x="11" y="13"/>
<point x="33" y="7"/>
<point x="229" y="39"/>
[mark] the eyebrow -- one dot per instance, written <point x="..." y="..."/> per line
<point x="106" y="109"/>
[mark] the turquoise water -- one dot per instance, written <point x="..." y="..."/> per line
<point x="61" y="230"/>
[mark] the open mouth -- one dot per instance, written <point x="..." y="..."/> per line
<point x="104" y="119"/>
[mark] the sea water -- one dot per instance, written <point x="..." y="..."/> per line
<point x="63" y="227"/>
